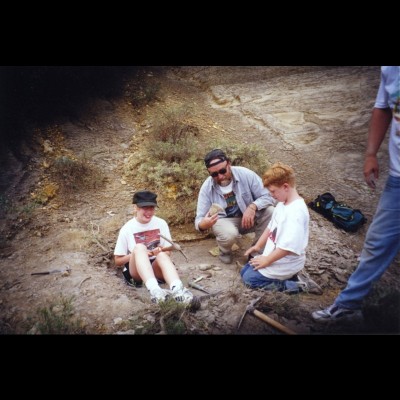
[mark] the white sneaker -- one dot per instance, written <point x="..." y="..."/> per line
<point x="158" y="295"/>
<point x="182" y="295"/>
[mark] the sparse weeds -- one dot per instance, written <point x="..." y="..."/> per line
<point x="280" y="303"/>
<point x="141" y="94"/>
<point x="172" y="320"/>
<point x="8" y="206"/>
<point x="74" y="175"/>
<point x="44" y="193"/>
<point x="58" y="318"/>
<point x="235" y="290"/>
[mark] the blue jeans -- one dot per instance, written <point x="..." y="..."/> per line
<point x="256" y="280"/>
<point x="381" y="246"/>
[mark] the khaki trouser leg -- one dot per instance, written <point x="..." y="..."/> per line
<point x="226" y="231"/>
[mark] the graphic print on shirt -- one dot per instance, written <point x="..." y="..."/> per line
<point x="233" y="209"/>
<point x="151" y="239"/>
<point x="272" y="236"/>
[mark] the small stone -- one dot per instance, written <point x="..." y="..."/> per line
<point x="214" y="251"/>
<point x="205" y="267"/>
<point x="215" y="209"/>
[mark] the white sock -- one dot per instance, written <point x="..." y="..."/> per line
<point x="177" y="283"/>
<point x="152" y="284"/>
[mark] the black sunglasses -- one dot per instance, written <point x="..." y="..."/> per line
<point x="222" y="171"/>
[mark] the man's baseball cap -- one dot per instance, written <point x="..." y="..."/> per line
<point x="145" y="198"/>
<point x="213" y="155"/>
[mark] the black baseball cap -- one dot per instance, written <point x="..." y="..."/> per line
<point x="145" y="198"/>
<point x="213" y="155"/>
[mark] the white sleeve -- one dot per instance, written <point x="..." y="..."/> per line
<point x="121" y="248"/>
<point x="164" y="230"/>
<point x="382" y="100"/>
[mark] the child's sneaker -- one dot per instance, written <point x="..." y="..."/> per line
<point x="158" y="295"/>
<point x="182" y="295"/>
<point x="306" y="284"/>
<point x="129" y="280"/>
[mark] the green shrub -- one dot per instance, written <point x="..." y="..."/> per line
<point x="74" y="175"/>
<point x="58" y="318"/>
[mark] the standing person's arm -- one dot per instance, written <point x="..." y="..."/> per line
<point x="380" y="121"/>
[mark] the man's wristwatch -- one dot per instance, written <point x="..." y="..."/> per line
<point x="253" y="206"/>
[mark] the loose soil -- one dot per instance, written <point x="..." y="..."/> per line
<point x="313" y="118"/>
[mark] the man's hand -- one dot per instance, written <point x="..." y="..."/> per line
<point x="248" y="218"/>
<point x="208" y="221"/>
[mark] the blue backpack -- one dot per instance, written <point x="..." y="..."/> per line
<point x="342" y="215"/>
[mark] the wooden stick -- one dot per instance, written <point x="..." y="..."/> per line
<point x="273" y="323"/>
<point x="83" y="280"/>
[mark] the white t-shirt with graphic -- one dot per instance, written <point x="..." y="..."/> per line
<point x="134" y="232"/>
<point x="288" y="231"/>
<point x="389" y="96"/>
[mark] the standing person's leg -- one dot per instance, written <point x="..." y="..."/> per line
<point x="381" y="246"/>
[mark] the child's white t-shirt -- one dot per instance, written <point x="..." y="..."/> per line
<point x="134" y="232"/>
<point x="288" y="231"/>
